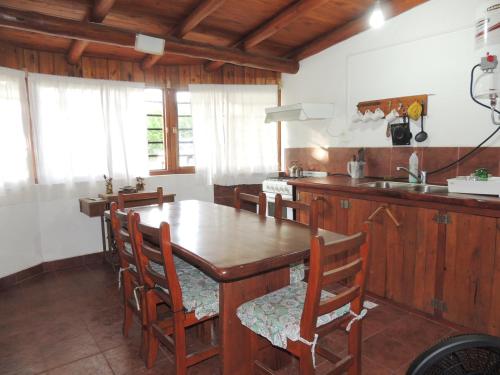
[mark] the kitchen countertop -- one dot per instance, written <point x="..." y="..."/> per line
<point x="353" y="186"/>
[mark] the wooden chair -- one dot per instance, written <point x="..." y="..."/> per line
<point x="299" y="270"/>
<point x="311" y="209"/>
<point x="240" y="199"/>
<point x="128" y="275"/>
<point x="170" y="280"/>
<point x="126" y="200"/>
<point x="322" y="312"/>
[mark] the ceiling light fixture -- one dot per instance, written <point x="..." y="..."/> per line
<point x="377" y="18"/>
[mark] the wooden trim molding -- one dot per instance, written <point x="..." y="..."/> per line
<point x="46" y="267"/>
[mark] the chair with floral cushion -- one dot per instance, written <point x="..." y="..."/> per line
<point x="248" y="201"/>
<point x="301" y="209"/>
<point x="128" y="275"/>
<point x="192" y="297"/>
<point x="295" y="316"/>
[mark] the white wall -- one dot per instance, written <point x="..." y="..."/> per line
<point x="427" y="50"/>
<point x="51" y="226"/>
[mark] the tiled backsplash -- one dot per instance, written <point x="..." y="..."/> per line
<point x="382" y="162"/>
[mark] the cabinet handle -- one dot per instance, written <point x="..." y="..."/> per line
<point x="388" y="212"/>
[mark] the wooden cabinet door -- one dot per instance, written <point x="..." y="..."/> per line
<point x="471" y="276"/>
<point x="333" y="214"/>
<point x="411" y="256"/>
<point x="359" y="211"/>
<point x="305" y="197"/>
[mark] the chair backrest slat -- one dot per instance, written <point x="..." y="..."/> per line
<point x="162" y="255"/>
<point x="311" y="209"/>
<point x="122" y="236"/>
<point x="259" y="201"/>
<point x="338" y="301"/>
<point x="126" y="200"/>
<point x="324" y="269"/>
<point x="341" y="273"/>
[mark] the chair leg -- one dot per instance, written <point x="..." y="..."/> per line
<point x="306" y="366"/>
<point x="180" y="344"/>
<point x="152" y="348"/>
<point x="128" y="319"/>
<point x="354" y="348"/>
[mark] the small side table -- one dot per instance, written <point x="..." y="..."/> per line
<point x="97" y="207"/>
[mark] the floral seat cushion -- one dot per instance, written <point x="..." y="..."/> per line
<point x="276" y="316"/>
<point x="297" y="272"/>
<point x="200" y="293"/>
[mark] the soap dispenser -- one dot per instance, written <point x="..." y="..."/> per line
<point x="413" y="168"/>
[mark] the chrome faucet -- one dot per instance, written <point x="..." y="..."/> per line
<point x="422" y="179"/>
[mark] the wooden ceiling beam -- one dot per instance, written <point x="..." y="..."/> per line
<point x="93" y="32"/>
<point x="99" y="12"/>
<point x="202" y="11"/>
<point x="391" y="9"/>
<point x="272" y="26"/>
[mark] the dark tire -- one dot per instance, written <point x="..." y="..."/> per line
<point x="472" y="354"/>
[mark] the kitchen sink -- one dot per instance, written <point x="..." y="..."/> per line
<point x="387" y="185"/>
<point x="429" y="189"/>
<point x="417" y="188"/>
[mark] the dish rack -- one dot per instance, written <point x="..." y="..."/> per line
<point x="466" y="185"/>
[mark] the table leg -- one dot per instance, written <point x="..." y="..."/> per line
<point x="103" y="238"/>
<point x="235" y="338"/>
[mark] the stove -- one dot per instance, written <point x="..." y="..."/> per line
<point x="279" y="185"/>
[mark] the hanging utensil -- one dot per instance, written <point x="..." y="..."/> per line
<point x="422" y="135"/>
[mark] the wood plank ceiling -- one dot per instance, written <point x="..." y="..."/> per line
<point x="266" y="34"/>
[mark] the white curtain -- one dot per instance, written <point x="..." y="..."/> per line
<point x="14" y="128"/>
<point x="87" y="128"/>
<point x="232" y="143"/>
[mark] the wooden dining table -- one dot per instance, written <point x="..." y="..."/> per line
<point x="247" y="254"/>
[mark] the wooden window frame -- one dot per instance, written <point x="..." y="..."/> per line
<point x="171" y="139"/>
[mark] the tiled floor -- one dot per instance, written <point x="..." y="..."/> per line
<point x="69" y="322"/>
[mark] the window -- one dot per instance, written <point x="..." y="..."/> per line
<point x="185" y="129"/>
<point x="156" y="129"/>
<point x="170" y="131"/>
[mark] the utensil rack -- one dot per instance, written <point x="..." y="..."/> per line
<point x="400" y="104"/>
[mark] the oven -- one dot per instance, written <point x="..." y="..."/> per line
<point x="273" y="186"/>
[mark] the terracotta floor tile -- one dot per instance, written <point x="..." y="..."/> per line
<point x="417" y="332"/>
<point x="369" y="367"/>
<point x="385" y="350"/>
<point x="69" y="350"/>
<point x="95" y="365"/>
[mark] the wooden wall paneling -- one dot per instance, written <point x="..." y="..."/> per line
<point x="8" y="57"/>
<point x="160" y="78"/>
<point x="249" y="75"/>
<point x="137" y="73"/>
<point x="469" y="269"/>
<point x="195" y="74"/>
<point x="100" y="68"/>
<point x="46" y="62"/>
<point x="184" y="74"/>
<point x="228" y="74"/>
<point x="172" y="74"/>
<point x="114" y="70"/>
<point x="61" y="66"/>
<point x="31" y="60"/>
<point x="126" y="70"/>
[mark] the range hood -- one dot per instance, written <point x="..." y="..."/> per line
<point x="300" y="112"/>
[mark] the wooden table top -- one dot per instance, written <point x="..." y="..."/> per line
<point x="230" y="244"/>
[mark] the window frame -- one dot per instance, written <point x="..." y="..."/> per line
<point x="171" y="137"/>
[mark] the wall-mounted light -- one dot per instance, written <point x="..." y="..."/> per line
<point x="377" y="18"/>
<point x="149" y="44"/>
